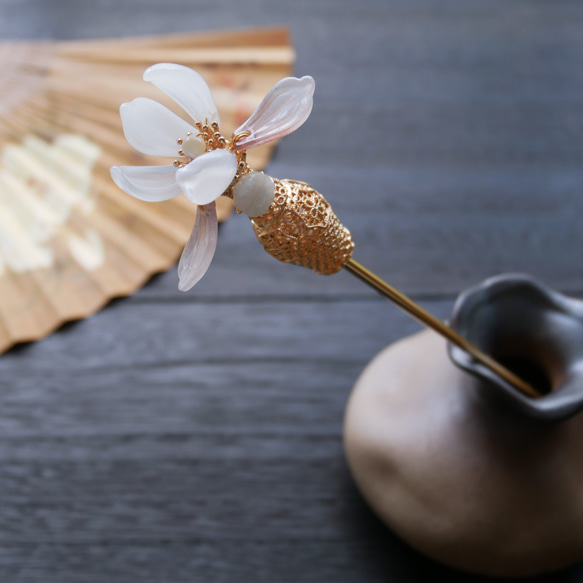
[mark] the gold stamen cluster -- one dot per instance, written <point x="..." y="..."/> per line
<point x="213" y="140"/>
<point x="301" y="228"/>
<point x="211" y="135"/>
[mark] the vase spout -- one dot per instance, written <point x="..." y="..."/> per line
<point x="535" y="332"/>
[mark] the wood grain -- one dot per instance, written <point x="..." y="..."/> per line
<point x="178" y="438"/>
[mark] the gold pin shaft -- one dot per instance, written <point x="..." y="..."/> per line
<point x="432" y="322"/>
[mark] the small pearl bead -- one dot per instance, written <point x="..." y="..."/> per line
<point x="254" y="193"/>
<point x="193" y="147"/>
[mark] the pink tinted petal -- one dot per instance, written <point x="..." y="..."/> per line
<point x="208" y="176"/>
<point x="186" y="87"/>
<point x="283" y="110"/>
<point x="200" y="249"/>
<point x="150" y="183"/>
<point x="151" y="128"/>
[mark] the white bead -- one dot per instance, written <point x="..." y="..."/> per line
<point x="254" y="193"/>
<point x="193" y="147"/>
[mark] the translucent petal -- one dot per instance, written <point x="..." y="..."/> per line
<point x="200" y="248"/>
<point x="151" y="183"/>
<point x="208" y="176"/>
<point x="186" y="87"/>
<point x="151" y="128"/>
<point x="283" y="110"/>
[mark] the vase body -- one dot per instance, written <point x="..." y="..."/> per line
<point x="459" y="465"/>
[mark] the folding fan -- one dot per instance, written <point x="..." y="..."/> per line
<point x="70" y="240"/>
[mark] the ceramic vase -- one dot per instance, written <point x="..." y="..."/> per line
<point x="457" y="462"/>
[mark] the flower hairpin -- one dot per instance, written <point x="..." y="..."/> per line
<point x="294" y="222"/>
<point x="208" y="164"/>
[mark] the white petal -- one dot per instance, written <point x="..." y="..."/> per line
<point x="186" y="87"/>
<point x="208" y="176"/>
<point x="283" y="110"/>
<point x="151" y="128"/>
<point x="151" y="183"/>
<point x="200" y="249"/>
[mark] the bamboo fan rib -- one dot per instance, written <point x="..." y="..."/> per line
<point x="70" y="240"/>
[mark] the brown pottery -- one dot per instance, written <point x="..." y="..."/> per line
<point x="458" y="463"/>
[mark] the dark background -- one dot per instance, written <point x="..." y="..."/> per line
<point x="198" y="437"/>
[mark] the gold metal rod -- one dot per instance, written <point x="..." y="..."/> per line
<point x="415" y="310"/>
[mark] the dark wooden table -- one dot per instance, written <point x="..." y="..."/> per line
<point x="177" y="438"/>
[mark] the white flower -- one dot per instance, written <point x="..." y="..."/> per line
<point x="210" y="163"/>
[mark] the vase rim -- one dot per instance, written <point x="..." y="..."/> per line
<point x="518" y="314"/>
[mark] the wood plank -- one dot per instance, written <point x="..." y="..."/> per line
<point x="407" y="227"/>
<point x="180" y="562"/>
<point x="192" y="399"/>
<point x="131" y="333"/>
